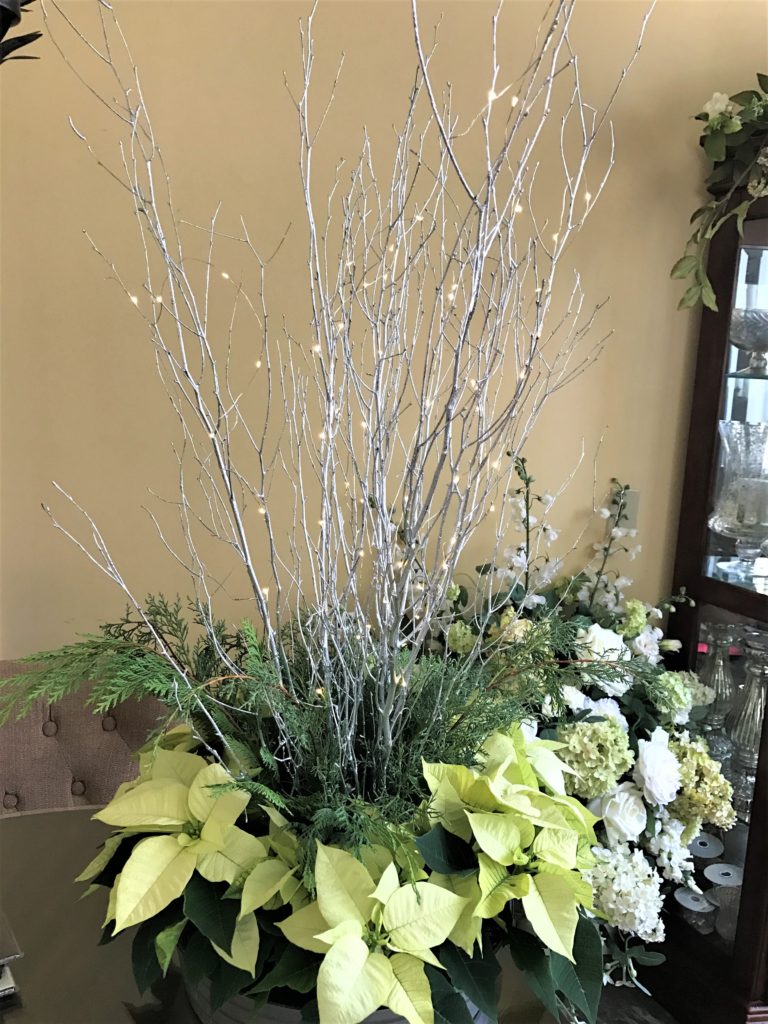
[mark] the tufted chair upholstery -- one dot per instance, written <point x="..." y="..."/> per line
<point x="64" y="756"/>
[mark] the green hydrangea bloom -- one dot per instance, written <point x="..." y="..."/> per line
<point x="705" y="795"/>
<point x="669" y="693"/>
<point x="598" y="752"/>
<point x="460" y="637"/>
<point x="635" y="618"/>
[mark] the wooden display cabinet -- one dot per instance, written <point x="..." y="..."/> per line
<point x="724" y="515"/>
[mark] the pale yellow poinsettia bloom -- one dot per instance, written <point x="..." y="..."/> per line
<point x="199" y="833"/>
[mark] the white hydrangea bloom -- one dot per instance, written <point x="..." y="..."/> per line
<point x="673" y="858"/>
<point x="627" y="890"/>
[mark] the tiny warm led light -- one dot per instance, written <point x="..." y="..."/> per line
<point x="399" y="565"/>
<point x="225" y="275"/>
<point x="492" y="96"/>
<point x="496" y="464"/>
<point x="319" y="691"/>
<point x="492" y="508"/>
<point x="262" y="511"/>
<point x="455" y="478"/>
<point x="515" y="100"/>
<point x="322" y="435"/>
<point x="452" y="541"/>
<point x="391" y="248"/>
<point x="418" y="217"/>
<point x="555" y="237"/>
<point x="158" y="298"/>
<point x="265" y="592"/>
<point x="135" y="300"/>
<point x="257" y="364"/>
<point x="363" y="424"/>
<point x="472" y="383"/>
<point x="211" y="434"/>
<point x="518" y="207"/>
<point x="316" y="348"/>
<point x="587" y="197"/>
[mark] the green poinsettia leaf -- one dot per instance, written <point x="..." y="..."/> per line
<point x="582" y="981"/>
<point x="244" y="947"/>
<point x="476" y="977"/>
<point x="449" y="1006"/>
<point x="166" y="942"/>
<point x="296" y="969"/>
<point x="532" y="959"/>
<point x="215" y="917"/>
<point x="101" y="859"/>
<point x="445" y="852"/>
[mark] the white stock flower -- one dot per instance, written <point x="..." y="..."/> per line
<point x="646" y="644"/>
<point x="657" y="770"/>
<point x="623" y="812"/>
<point x="600" y="644"/>
<point x="719" y="104"/>
<point x="673" y="857"/>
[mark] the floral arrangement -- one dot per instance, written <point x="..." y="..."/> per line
<point x="544" y="803"/>
<point x="344" y="805"/>
<point x="626" y="727"/>
<point x="735" y="140"/>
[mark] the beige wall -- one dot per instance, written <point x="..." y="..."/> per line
<point x="79" y="400"/>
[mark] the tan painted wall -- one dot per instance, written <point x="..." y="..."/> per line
<point x="79" y="400"/>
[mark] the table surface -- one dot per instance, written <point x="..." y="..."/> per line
<point x="65" y="977"/>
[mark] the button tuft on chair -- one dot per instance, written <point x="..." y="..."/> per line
<point x="50" y="728"/>
<point x="10" y="800"/>
<point x="78" y="788"/>
<point x="108" y="723"/>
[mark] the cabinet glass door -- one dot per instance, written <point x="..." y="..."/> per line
<point x="737" y="546"/>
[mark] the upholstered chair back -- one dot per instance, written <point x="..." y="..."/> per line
<point x="64" y="756"/>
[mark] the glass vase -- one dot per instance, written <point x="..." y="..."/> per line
<point x="741" y="509"/>
<point x="747" y="726"/>
<point x="719" y="678"/>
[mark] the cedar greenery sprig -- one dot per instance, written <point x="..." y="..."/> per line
<point x="735" y="139"/>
